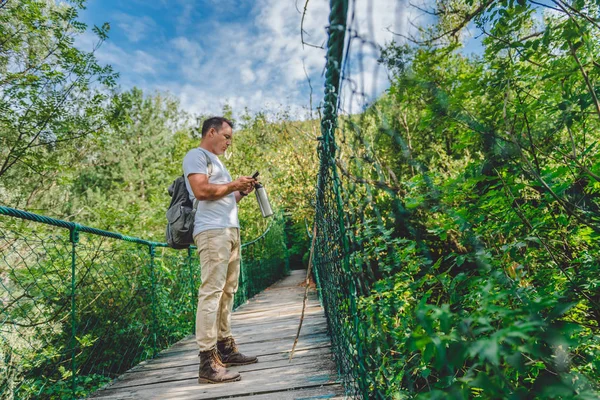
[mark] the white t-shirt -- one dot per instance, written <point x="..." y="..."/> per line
<point x="210" y="214"/>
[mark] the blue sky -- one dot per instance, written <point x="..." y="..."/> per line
<point x="248" y="53"/>
<point x="245" y="53"/>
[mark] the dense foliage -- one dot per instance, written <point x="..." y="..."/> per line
<point x="52" y="94"/>
<point x="471" y="198"/>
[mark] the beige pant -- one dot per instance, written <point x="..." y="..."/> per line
<point x="219" y="251"/>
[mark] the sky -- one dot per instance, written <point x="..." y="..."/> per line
<point x="245" y="53"/>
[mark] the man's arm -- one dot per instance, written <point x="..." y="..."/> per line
<point x="203" y="190"/>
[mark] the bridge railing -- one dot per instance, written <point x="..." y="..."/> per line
<point x="79" y="305"/>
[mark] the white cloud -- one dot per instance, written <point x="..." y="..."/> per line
<point x="375" y="24"/>
<point x="281" y="24"/>
<point x="257" y="63"/>
<point x="254" y="65"/>
<point x="189" y="57"/>
<point x="198" y="100"/>
<point x="136" y="61"/>
<point x="144" y="63"/>
<point x="185" y="16"/>
<point x="247" y="75"/>
<point x="135" y="28"/>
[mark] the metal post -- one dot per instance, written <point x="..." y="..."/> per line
<point x="152" y="249"/>
<point x="74" y="238"/>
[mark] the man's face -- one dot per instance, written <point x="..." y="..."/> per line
<point x="222" y="138"/>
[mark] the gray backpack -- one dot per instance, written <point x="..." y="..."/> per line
<point x="181" y="212"/>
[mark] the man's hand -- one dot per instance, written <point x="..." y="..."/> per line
<point x="249" y="191"/>
<point x="203" y="190"/>
<point x="243" y="184"/>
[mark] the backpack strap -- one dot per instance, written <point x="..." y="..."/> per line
<point x="209" y="170"/>
<point x="209" y="164"/>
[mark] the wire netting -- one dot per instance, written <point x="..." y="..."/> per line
<point x="75" y="315"/>
<point x="458" y="214"/>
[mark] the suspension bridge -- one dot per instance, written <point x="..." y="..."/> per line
<point x="88" y="306"/>
<point x="84" y="308"/>
<point x="475" y="278"/>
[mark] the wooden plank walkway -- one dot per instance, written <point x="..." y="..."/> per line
<point x="265" y="326"/>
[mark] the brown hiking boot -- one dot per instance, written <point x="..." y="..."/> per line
<point x="230" y="355"/>
<point x="212" y="369"/>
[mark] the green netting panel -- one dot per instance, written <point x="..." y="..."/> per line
<point x="264" y="261"/>
<point x="76" y="314"/>
<point x="34" y="269"/>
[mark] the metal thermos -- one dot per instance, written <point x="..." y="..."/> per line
<point x="263" y="200"/>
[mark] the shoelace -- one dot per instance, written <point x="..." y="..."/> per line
<point x="218" y="358"/>
<point x="232" y="345"/>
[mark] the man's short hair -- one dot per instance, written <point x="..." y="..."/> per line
<point x="214" y="122"/>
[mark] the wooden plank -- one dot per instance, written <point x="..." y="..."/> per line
<point x="258" y="349"/>
<point x="191" y="371"/>
<point x="327" y="392"/>
<point x="262" y="315"/>
<point x="269" y="315"/>
<point x="246" y="335"/>
<point x="279" y="324"/>
<point x="279" y="334"/>
<point x="299" y="356"/>
<point x="143" y="367"/>
<point x="254" y="382"/>
<point x="192" y="357"/>
<point x="289" y="306"/>
<point x="279" y="296"/>
<point x="332" y="391"/>
<point x="270" y="332"/>
<point x="283" y="320"/>
<point x="265" y="326"/>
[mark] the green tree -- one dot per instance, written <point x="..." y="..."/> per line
<point x="53" y="94"/>
<point x="121" y="183"/>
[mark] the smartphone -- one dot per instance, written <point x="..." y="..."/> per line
<point x="255" y="175"/>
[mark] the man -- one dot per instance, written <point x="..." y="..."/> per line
<point x="217" y="236"/>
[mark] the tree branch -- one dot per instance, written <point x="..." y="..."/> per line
<point x="585" y="77"/>
<point x="379" y="184"/>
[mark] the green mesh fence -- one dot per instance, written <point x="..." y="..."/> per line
<point x="458" y="216"/>
<point x="79" y="307"/>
